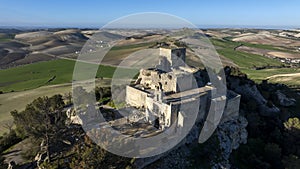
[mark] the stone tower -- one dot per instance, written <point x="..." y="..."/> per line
<point x="171" y="58"/>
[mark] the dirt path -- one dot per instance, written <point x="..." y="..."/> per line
<point x="284" y="75"/>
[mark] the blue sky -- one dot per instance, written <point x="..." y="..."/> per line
<point x="87" y="13"/>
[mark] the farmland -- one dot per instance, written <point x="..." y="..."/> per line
<point x="39" y="74"/>
<point x="248" y="62"/>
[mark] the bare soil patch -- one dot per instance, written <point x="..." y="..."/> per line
<point x="265" y="37"/>
<point x="268" y="53"/>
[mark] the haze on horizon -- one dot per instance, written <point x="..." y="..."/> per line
<point x="215" y="13"/>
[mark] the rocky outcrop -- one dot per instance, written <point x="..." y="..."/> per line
<point x="283" y="100"/>
<point x="248" y="90"/>
<point x="230" y="135"/>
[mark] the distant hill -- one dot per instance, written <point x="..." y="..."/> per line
<point x="23" y="47"/>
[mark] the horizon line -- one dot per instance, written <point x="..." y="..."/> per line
<point x="211" y="26"/>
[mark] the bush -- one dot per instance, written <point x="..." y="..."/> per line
<point x="104" y="100"/>
<point x="111" y="104"/>
<point x="292" y="123"/>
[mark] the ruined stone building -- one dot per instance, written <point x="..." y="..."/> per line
<point x="164" y="101"/>
<point x="169" y="92"/>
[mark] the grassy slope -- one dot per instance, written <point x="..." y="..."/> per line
<point x="18" y="100"/>
<point x="259" y="75"/>
<point x="243" y="59"/>
<point x="35" y="75"/>
<point x="248" y="61"/>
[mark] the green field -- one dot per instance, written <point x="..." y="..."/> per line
<point x="242" y="59"/>
<point x="259" y="75"/>
<point x="248" y="62"/>
<point x="38" y="74"/>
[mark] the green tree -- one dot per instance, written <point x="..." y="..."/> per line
<point x="42" y="118"/>
<point x="88" y="155"/>
<point x="292" y="123"/>
<point x="291" y="136"/>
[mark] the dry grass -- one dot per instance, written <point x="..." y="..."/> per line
<point x="267" y="52"/>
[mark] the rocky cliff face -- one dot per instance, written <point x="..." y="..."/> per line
<point x="249" y="92"/>
<point x="214" y="153"/>
<point x="230" y="135"/>
<point x="283" y="100"/>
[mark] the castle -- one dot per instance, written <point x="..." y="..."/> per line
<point x="169" y="92"/>
<point x="167" y="97"/>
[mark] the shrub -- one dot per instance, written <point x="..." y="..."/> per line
<point x="292" y="123"/>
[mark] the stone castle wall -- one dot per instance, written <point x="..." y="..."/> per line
<point x="151" y="78"/>
<point x="135" y="97"/>
<point x="175" y="57"/>
<point x="232" y="109"/>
